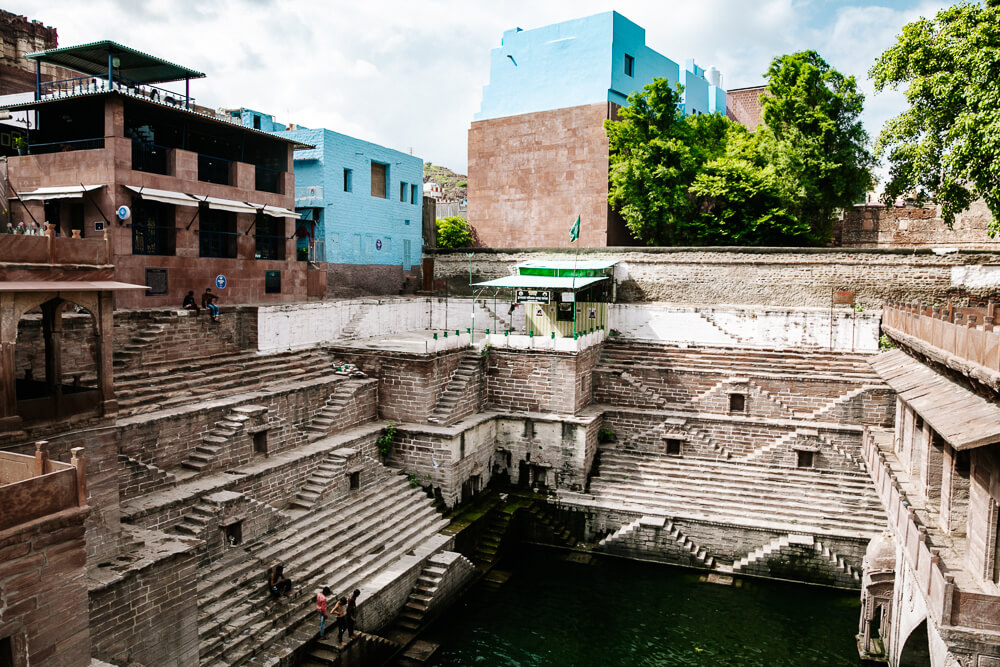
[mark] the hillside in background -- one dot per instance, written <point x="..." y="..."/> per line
<point x="454" y="185"/>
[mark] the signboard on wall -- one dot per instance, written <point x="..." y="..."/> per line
<point x="532" y="296"/>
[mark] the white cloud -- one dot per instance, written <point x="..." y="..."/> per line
<point x="410" y="75"/>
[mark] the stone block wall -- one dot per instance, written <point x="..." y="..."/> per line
<point x="137" y="479"/>
<point x="540" y="381"/>
<point x="43" y="591"/>
<point x="564" y="447"/>
<point x="875" y="226"/>
<point x="793" y="277"/>
<point x="78" y="350"/>
<point x="179" y="335"/>
<point x="150" y="615"/>
<point x="409" y="385"/>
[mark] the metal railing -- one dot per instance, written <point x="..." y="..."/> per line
<point x="65" y="146"/>
<point x="149" y="157"/>
<point x="212" y="169"/>
<point x="267" y="179"/>
<point x="86" y="85"/>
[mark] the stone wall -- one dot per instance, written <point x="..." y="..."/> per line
<point x="540" y="381"/>
<point x="532" y="174"/>
<point x="875" y="226"/>
<point x="149" y="616"/>
<point x="43" y="591"/>
<point x="794" y="277"/>
<point x="78" y="349"/>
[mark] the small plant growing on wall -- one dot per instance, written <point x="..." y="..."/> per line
<point x="412" y="479"/>
<point x="605" y="435"/>
<point x="485" y="351"/>
<point x="384" y="441"/>
<point x="885" y="343"/>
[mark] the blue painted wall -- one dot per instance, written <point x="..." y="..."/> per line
<point x="578" y="62"/>
<point x="356" y="227"/>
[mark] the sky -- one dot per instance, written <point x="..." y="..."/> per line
<point x="409" y="75"/>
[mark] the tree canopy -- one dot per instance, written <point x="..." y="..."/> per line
<point x="946" y="146"/>
<point x="454" y="232"/>
<point x="681" y="179"/>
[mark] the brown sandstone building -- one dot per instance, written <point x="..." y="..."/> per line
<point x="190" y="200"/>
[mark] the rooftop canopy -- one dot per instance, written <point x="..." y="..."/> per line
<point x="566" y="268"/>
<point x="542" y="282"/>
<point x="96" y="58"/>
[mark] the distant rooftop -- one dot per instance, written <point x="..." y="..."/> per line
<point x="96" y="58"/>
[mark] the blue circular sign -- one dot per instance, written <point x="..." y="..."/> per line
<point x="378" y="244"/>
<point x="123" y="212"/>
<point x="220" y="281"/>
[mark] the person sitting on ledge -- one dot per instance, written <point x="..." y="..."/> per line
<point x="207" y="300"/>
<point x="189" y="303"/>
<point x="277" y="583"/>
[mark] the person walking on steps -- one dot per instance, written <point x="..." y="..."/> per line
<point x="352" y="613"/>
<point x="340" y="612"/>
<point x="321" y="608"/>
<point x="207" y="301"/>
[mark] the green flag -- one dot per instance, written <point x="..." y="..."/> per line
<point x="574" y="231"/>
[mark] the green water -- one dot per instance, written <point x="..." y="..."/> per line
<point x="611" y="613"/>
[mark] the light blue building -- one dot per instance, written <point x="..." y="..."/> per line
<point x="583" y="61"/>
<point x="361" y="203"/>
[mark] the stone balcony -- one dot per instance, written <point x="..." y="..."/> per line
<point x="32" y="487"/>
<point x="953" y="597"/>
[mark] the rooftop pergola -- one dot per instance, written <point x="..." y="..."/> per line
<point x="116" y="63"/>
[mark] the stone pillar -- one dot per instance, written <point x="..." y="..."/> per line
<point x="103" y="337"/>
<point x="930" y="472"/>
<point x="52" y="331"/>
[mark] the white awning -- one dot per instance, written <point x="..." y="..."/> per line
<point x="542" y="282"/>
<point x="164" y="196"/>
<point x="58" y="192"/>
<point x="279" y="212"/>
<point x="230" y="205"/>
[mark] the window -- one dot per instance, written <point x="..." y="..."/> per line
<point x="356" y="245"/>
<point x="153" y="231"/>
<point x="737" y="402"/>
<point x="673" y="446"/>
<point x="565" y="312"/>
<point x="402" y="191"/>
<point x="805" y="459"/>
<point x="234" y="531"/>
<point x="260" y="442"/>
<point x="272" y="282"/>
<point x="629" y="65"/>
<point x="216" y="233"/>
<point x="269" y="234"/>
<point x="406" y="222"/>
<point x="406" y="252"/>
<point x="413" y="194"/>
<point x="380" y="180"/>
<point x="256" y="122"/>
<point x="355" y="480"/>
<point x="348" y="180"/>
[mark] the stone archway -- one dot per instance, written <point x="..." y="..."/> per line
<point x="916" y="651"/>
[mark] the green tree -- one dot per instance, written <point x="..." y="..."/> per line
<point x="946" y="146"/>
<point x="703" y="180"/>
<point x="453" y="232"/>
<point x="817" y="144"/>
<point x="656" y="152"/>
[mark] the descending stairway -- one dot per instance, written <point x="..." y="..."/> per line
<point x="459" y="384"/>
<point x="155" y="387"/>
<point x="341" y="546"/>
<point x="350" y="330"/>
<point x="324" y="421"/>
<point x="415" y="610"/>
<point x="127" y="354"/>
<point x="793" y="544"/>
<point x="365" y="649"/>
<point x="208" y="450"/>
<point x="323" y="479"/>
<point x="661" y="523"/>
<point x="488" y="546"/>
<point x="742" y="493"/>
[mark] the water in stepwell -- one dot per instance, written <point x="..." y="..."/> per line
<point x="608" y="613"/>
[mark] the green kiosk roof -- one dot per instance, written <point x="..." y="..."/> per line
<point x="542" y="282"/>
<point x="92" y="58"/>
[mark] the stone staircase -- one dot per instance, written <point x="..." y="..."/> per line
<point x="196" y="520"/>
<point x="216" y="441"/>
<point x="179" y="383"/>
<point x="340" y="546"/>
<point x="661" y="523"/>
<point x="458" y="386"/>
<point x="324" y="421"/>
<point x="817" y="414"/>
<point x="488" y="545"/>
<point x="621" y="534"/>
<point x="772" y="446"/>
<point x="128" y="354"/>
<point x="415" y="610"/>
<point x="350" y="330"/>
<point x="635" y="382"/>
<point x="365" y="649"/>
<point x="701" y="436"/>
<point x="793" y="544"/>
<point x="559" y="531"/>
<point x="323" y="479"/>
<point x="138" y="478"/>
<point x="787" y="499"/>
<point x="710" y="318"/>
<point x="502" y="321"/>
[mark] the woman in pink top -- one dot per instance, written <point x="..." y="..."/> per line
<point x="321" y="608"/>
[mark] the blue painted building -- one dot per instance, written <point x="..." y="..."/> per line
<point x="538" y="152"/>
<point x="599" y="58"/>
<point x="361" y="204"/>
